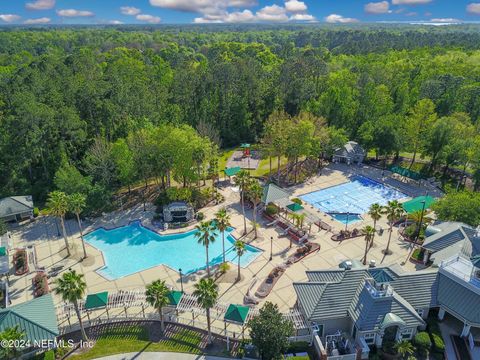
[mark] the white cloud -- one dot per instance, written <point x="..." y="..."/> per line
<point x="272" y="13"/>
<point x="446" y="20"/>
<point x="203" y="6"/>
<point x="239" y="16"/>
<point x="9" y="17"/>
<point x="302" y="17"/>
<point x="130" y="10"/>
<point x="74" y="13"/>
<point x="410" y="2"/>
<point x="473" y="8"/>
<point x="382" y="7"/>
<point x="148" y="18"/>
<point x="40" y="5"/>
<point x="295" y="6"/>
<point x="42" y="20"/>
<point x="115" y="22"/>
<point x="335" y="18"/>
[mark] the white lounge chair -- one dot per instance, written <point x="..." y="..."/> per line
<point x="274" y="222"/>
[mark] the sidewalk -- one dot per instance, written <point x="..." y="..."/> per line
<point x="160" y="356"/>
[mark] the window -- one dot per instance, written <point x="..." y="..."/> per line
<point x="406" y="334"/>
<point x="420" y="312"/>
<point x="369" y="338"/>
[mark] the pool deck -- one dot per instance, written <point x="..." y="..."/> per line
<point x="47" y="247"/>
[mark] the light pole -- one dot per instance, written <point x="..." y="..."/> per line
<point x="181" y="279"/>
<point x="271" y="248"/>
<point x="346" y="222"/>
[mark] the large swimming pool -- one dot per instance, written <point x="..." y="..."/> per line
<point x="353" y="198"/>
<point x="134" y="248"/>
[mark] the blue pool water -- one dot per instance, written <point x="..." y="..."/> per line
<point x="353" y="197"/>
<point x="134" y="248"/>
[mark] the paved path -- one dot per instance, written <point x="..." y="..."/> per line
<point x="160" y="356"/>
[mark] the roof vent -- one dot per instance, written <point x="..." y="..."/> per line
<point x="373" y="263"/>
<point x="348" y="265"/>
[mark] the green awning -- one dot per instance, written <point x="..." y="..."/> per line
<point x="236" y="313"/>
<point x="3" y="251"/>
<point x="232" y="171"/>
<point x="174" y="297"/>
<point x="96" y="300"/>
<point x="406" y="172"/>
<point x="417" y="204"/>
<point x="295" y="207"/>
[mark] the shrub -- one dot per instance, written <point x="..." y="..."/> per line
<point x="297" y="201"/>
<point x="271" y="209"/>
<point x="418" y="254"/>
<point x="438" y="343"/>
<point x="49" y="355"/>
<point x="422" y="340"/>
<point x="298" y="347"/>
<point x="61" y="351"/>
<point x="200" y="216"/>
<point x="36" y="212"/>
<point x="389" y="347"/>
<point x="224" y="267"/>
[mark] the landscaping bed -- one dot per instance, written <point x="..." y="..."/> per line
<point x="40" y="284"/>
<point x="347" y="234"/>
<point x="20" y="262"/>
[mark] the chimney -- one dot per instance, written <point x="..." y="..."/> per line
<point x="372" y="264"/>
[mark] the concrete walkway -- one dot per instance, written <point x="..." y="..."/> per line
<point x="160" y="356"/>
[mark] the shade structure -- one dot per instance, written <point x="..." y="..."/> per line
<point x="417" y="204"/>
<point x="406" y="172"/>
<point x="295" y="207"/>
<point x="236" y="314"/>
<point x="174" y="297"/>
<point x="95" y="301"/>
<point x="3" y="251"/>
<point x="232" y="171"/>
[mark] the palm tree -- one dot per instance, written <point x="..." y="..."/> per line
<point x="57" y="205"/>
<point x="205" y="236"/>
<point x="369" y="232"/>
<point x="76" y="204"/>
<point x="420" y="218"/>
<point x="240" y="249"/>
<point x="11" y="335"/>
<point x="157" y="297"/>
<point x="394" y="211"/>
<point x="242" y="180"/>
<point x="375" y="213"/>
<point x="404" y="348"/>
<point x="206" y="292"/>
<point x="255" y="193"/>
<point x="71" y="287"/>
<point x="222" y="222"/>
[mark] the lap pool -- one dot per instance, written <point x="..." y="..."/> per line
<point x="132" y="248"/>
<point x="353" y="198"/>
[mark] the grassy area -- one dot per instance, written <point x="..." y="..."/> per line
<point x="135" y="339"/>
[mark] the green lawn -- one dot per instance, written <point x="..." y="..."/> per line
<point x="135" y="339"/>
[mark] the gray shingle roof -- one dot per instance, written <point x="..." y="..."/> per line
<point x="459" y="300"/>
<point x="15" y="205"/>
<point x="272" y="192"/>
<point x="331" y="293"/>
<point x="325" y="276"/>
<point x="351" y="148"/>
<point x="368" y="312"/>
<point x="333" y="299"/>
<point x="419" y="288"/>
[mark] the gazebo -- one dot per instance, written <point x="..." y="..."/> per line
<point x="96" y="301"/>
<point x="236" y="314"/>
<point x="232" y="171"/>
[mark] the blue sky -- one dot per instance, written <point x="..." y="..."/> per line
<point x="235" y="11"/>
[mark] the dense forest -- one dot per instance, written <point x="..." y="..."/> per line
<point x="110" y="106"/>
